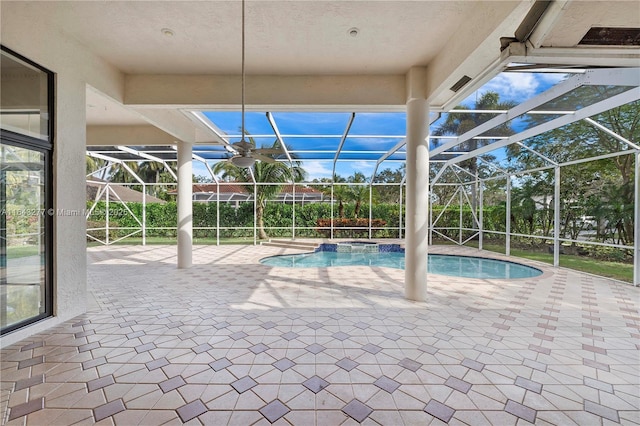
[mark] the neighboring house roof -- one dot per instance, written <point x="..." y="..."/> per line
<point x="118" y="193"/>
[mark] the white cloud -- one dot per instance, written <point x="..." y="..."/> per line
<point x="317" y="169"/>
<point x="520" y="86"/>
<point x="513" y="86"/>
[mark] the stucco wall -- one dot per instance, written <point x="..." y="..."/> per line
<point x="74" y="69"/>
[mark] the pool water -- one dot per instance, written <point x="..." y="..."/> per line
<point x="457" y="266"/>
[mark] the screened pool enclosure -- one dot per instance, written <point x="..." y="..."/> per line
<point x="554" y="169"/>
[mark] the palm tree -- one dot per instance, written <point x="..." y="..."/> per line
<point x="357" y="193"/>
<point x="457" y="124"/>
<point x="277" y="173"/>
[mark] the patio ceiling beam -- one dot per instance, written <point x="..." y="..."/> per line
<point x="558" y="90"/>
<point x="274" y="126"/>
<point x="138" y="135"/>
<point x="575" y="56"/>
<point x="170" y="121"/>
<point x="597" y="108"/>
<point x="342" y="140"/>
<point x="266" y="92"/>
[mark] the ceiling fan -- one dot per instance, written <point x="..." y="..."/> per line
<point x="247" y="154"/>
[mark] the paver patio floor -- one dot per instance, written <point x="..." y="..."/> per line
<point x="231" y="341"/>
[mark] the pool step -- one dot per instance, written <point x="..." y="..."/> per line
<point x="301" y="245"/>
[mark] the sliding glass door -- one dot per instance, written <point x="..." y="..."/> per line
<point x="26" y="211"/>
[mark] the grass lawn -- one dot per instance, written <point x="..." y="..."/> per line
<point x="14" y="252"/>
<point x="616" y="270"/>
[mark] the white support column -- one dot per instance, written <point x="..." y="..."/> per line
<point x="370" y="208"/>
<point x="556" y="218"/>
<point x="636" y="222"/>
<point x="400" y="213"/>
<point x="106" y="219"/>
<point x="481" y="215"/>
<point x="293" y="212"/>
<point x="144" y="214"/>
<point x="460" y="219"/>
<point x="185" y="205"/>
<point x="430" y="218"/>
<point x="507" y="242"/>
<point x="332" y="208"/>
<point x="217" y="213"/>
<point x="417" y="216"/>
<point x="255" y="212"/>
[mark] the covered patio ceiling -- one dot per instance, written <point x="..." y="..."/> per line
<point x="378" y="138"/>
<point x="148" y="65"/>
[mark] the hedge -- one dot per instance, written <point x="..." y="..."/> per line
<point x="277" y="216"/>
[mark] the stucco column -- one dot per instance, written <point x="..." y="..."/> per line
<point x="417" y="213"/>
<point x="185" y="205"/>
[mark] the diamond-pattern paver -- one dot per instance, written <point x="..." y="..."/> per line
<point x="522" y="351"/>
<point x="340" y="336"/>
<point x="274" y="410"/>
<point x="357" y="410"/>
<point x="244" y="384"/>
<point x="391" y="336"/>
<point x="602" y="411"/>
<point x="157" y="363"/>
<point x="347" y="364"/>
<point x="220" y="364"/>
<point x="26" y="408"/>
<point x="27" y="383"/>
<point x="202" y="348"/>
<point x="269" y="325"/>
<point x="371" y="348"/>
<point x="191" y="410"/>
<point x="259" y="348"/>
<point x="290" y="335"/>
<point x="439" y="410"/>
<point x="315" y="384"/>
<point x="410" y="364"/>
<point x="31" y="362"/>
<point x="172" y="383"/>
<point x="387" y="384"/>
<point x="472" y="364"/>
<point x="283" y="364"/>
<point x="107" y="410"/>
<point x="522" y="411"/>
<point x="529" y="384"/>
<point x="315" y="348"/>
<point x="238" y="335"/>
<point x="458" y="384"/>
<point x="100" y="383"/>
<point x="315" y="325"/>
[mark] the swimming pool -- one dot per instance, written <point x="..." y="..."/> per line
<point x="457" y="266"/>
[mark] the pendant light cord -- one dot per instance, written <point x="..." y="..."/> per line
<point x="243" y="71"/>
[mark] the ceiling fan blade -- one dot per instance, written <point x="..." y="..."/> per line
<point x="262" y="157"/>
<point x="267" y="151"/>
<point x="242" y="145"/>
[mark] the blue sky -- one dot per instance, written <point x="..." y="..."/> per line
<point x="298" y="129"/>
